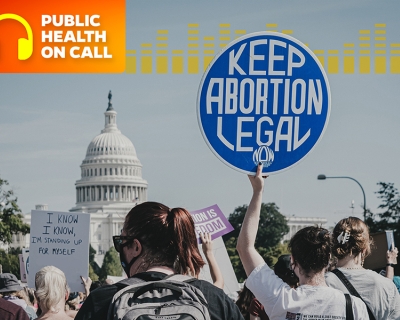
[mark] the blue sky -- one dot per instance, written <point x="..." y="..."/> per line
<point x="48" y="120"/>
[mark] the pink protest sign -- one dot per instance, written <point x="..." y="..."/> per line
<point x="211" y="220"/>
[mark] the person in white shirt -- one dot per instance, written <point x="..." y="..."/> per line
<point x="351" y="244"/>
<point x="310" y="254"/>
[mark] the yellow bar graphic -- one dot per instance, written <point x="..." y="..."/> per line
<point x="349" y="45"/>
<point x="365" y="51"/>
<point x="209" y="45"/>
<point x="224" y="39"/>
<point x="130" y="51"/>
<point x="130" y="64"/>
<point x="224" y="31"/>
<point x="193" y="65"/>
<point x="146" y="45"/>
<point x="333" y="51"/>
<point x="395" y="45"/>
<point x="287" y="31"/>
<point x="380" y="65"/>
<point x="162" y="64"/>
<point x="193" y="25"/>
<point x="380" y="45"/>
<point x="209" y="52"/>
<point x="380" y="31"/>
<point x="348" y="51"/>
<point x="365" y="45"/>
<point x="193" y="45"/>
<point x="380" y="51"/>
<point x="380" y="25"/>
<point x="193" y="38"/>
<point x="193" y="31"/>
<point x="348" y="64"/>
<point x="162" y="51"/>
<point x="380" y="38"/>
<point x="333" y="64"/>
<point x="395" y="64"/>
<point x="319" y="51"/>
<point x="161" y="45"/>
<point x="364" y="31"/>
<point x="225" y="25"/>
<point x="146" y="64"/>
<point x="146" y="52"/>
<point x="162" y="38"/>
<point x="162" y="31"/>
<point x="206" y="61"/>
<point x="271" y="25"/>
<point x="395" y="51"/>
<point x="193" y="51"/>
<point x="365" y="38"/>
<point x="240" y="31"/>
<point x="177" y="51"/>
<point x="177" y="64"/>
<point x="365" y="65"/>
<point x="208" y="38"/>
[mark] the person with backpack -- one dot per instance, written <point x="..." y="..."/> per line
<point x="310" y="253"/>
<point x="351" y="244"/>
<point x="159" y="253"/>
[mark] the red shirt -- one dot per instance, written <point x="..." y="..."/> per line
<point x="11" y="311"/>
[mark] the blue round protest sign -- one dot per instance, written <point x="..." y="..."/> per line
<point x="264" y="98"/>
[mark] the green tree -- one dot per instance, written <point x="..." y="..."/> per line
<point x="94" y="268"/>
<point x="10" y="216"/>
<point x="272" y="227"/>
<point x="111" y="264"/>
<point x="10" y="261"/>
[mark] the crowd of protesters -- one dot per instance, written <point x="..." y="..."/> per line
<point x="322" y="278"/>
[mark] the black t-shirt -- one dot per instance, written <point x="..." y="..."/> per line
<point x="220" y="306"/>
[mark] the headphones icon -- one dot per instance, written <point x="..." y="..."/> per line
<point x="25" y="46"/>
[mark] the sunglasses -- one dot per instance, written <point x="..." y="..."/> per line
<point x="118" y="244"/>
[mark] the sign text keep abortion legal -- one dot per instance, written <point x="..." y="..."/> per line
<point x="264" y="97"/>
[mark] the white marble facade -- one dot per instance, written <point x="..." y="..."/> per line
<point x="111" y="184"/>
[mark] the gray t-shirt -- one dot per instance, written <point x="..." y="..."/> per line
<point x="378" y="292"/>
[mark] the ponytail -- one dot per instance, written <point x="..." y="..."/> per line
<point x="167" y="236"/>
<point x="189" y="259"/>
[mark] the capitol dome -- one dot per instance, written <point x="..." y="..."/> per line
<point x="111" y="173"/>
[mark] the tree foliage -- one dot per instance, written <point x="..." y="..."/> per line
<point x="10" y="261"/>
<point x="271" y="229"/>
<point x="10" y="216"/>
<point x="111" y="264"/>
<point x="389" y="217"/>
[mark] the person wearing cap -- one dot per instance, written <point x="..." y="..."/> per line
<point x="10" y="289"/>
<point x="10" y="311"/>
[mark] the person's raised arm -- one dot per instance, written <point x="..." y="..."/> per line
<point x="215" y="271"/>
<point x="391" y="258"/>
<point x="245" y="245"/>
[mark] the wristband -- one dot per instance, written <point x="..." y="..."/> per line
<point x="391" y="265"/>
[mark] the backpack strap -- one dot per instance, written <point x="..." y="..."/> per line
<point x="180" y="277"/>
<point x="351" y="289"/>
<point x="127" y="282"/>
<point x="349" y="309"/>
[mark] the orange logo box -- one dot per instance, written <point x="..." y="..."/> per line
<point x="74" y="36"/>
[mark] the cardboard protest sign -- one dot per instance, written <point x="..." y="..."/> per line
<point x="22" y="270"/>
<point x="231" y="284"/>
<point x="60" y="239"/>
<point x="383" y="241"/>
<point x="211" y="220"/>
<point x="25" y="257"/>
<point x="264" y="98"/>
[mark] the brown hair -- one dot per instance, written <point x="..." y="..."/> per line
<point x="359" y="240"/>
<point x="167" y="236"/>
<point x="311" y="249"/>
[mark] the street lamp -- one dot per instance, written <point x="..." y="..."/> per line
<point x="324" y="177"/>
